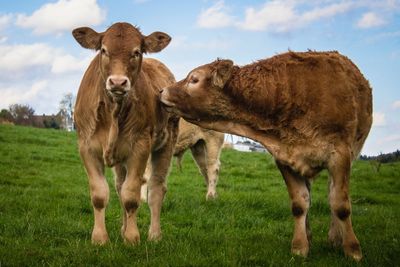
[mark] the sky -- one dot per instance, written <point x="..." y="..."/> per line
<point x="40" y="61"/>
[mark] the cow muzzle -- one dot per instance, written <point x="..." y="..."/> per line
<point x="164" y="98"/>
<point x="118" y="85"/>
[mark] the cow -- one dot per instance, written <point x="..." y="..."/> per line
<point x="311" y="110"/>
<point x="121" y="124"/>
<point x="206" y="146"/>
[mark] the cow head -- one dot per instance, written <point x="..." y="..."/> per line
<point x="121" y="52"/>
<point x="200" y="95"/>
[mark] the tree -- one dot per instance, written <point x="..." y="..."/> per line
<point x="67" y="111"/>
<point x="5" y="115"/>
<point x="22" y="114"/>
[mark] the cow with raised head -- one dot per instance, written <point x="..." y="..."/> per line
<point x="121" y="124"/>
<point x="311" y="110"/>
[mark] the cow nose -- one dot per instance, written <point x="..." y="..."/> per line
<point x="118" y="81"/>
<point x="161" y="90"/>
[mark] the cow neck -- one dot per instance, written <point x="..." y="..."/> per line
<point x="244" y="119"/>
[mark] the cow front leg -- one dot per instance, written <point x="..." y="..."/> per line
<point x="130" y="190"/>
<point x="99" y="193"/>
<point x="341" y="230"/>
<point x="298" y="189"/>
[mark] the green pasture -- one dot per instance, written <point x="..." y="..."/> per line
<point x="46" y="216"/>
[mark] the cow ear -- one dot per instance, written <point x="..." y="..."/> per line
<point x="222" y="72"/>
<point x="88" y="38"/>
<point x="156" y="42"/>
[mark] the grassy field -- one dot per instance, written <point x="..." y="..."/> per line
<point x="46" y="216"/>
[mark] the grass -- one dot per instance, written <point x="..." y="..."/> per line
<point x="46" y="216"/>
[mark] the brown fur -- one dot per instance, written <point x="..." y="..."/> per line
<point x="123" y="132"/>
<point x="311" y="110"/>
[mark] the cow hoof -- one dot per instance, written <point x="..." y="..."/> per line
<point x="131" y="237"/>
<point x="99" y="238"/>
<point x="154" y="236"/>
<point x="353" y="251"/>
<point x="300" y="249"/>
<point x="211" y="196"/>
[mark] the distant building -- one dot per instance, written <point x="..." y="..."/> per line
<point x="249" y="146"/>
<point x="47" y="121"/>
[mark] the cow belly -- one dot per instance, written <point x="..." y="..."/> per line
<point x="307" y="160"/>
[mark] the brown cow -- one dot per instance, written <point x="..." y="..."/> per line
<point x="121" y="123"/>
<point x="311" y="110"/>
<point x="206" y="146"/>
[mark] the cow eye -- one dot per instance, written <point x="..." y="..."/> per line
<point x="194" y="80"/>
<point x="103" y="51"/>
<point x="136" y="54"/>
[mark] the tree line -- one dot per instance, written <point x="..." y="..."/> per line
<point x="23" y="114"/>
<point x="383" y="158"/>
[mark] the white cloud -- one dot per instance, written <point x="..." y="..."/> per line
<point x="4" y="21"/>
<point x="68" y="63"/>
<point x="326" y="12"/>
<point x="20" y="57"/>
<point x="61" y="16"/>
<point x="379" y="119"/>
<point x="215" y="17"/>
<point x="3" y="39"/>
<point x="16" y="59"/>
<point x="370" y="20"/>
<point x="396" y="104"/>
<point x="282" y="16"/>
<point x="19" y="95"/>
<point x="273" y="16"/>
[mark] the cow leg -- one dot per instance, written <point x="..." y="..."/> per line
<point x="298" y="189"/>
<point x="213" y="152"/>
<point x="199" y="153"/>
<point x="119" y="177"/>
<point x="99" y="194"/>
<point x="341" y="227"/>
<point x="146" y="178"/>
<point x="334" y="234"/>
<point x="130" y="190"/>
<point x="157" y="186"/>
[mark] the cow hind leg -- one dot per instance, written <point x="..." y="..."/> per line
<point x="99" y="194"/>
<point x="199" y="153"/>
<point x="146" y="178"/>
<point x="334" y="234"/>
<point x="341" y="229"/>
<point x="213" y="164"/>
<point x="298" y="189"/>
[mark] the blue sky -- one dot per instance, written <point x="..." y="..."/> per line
<point x="40" y="61"/>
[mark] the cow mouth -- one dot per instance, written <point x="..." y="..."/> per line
<point x="118" y="93"/>
<point x="166" y="103"/>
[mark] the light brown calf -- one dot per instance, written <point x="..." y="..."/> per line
<point x="120" y="123"/>
<point x="311" y="110"/>
<point x="206" y="146"/>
